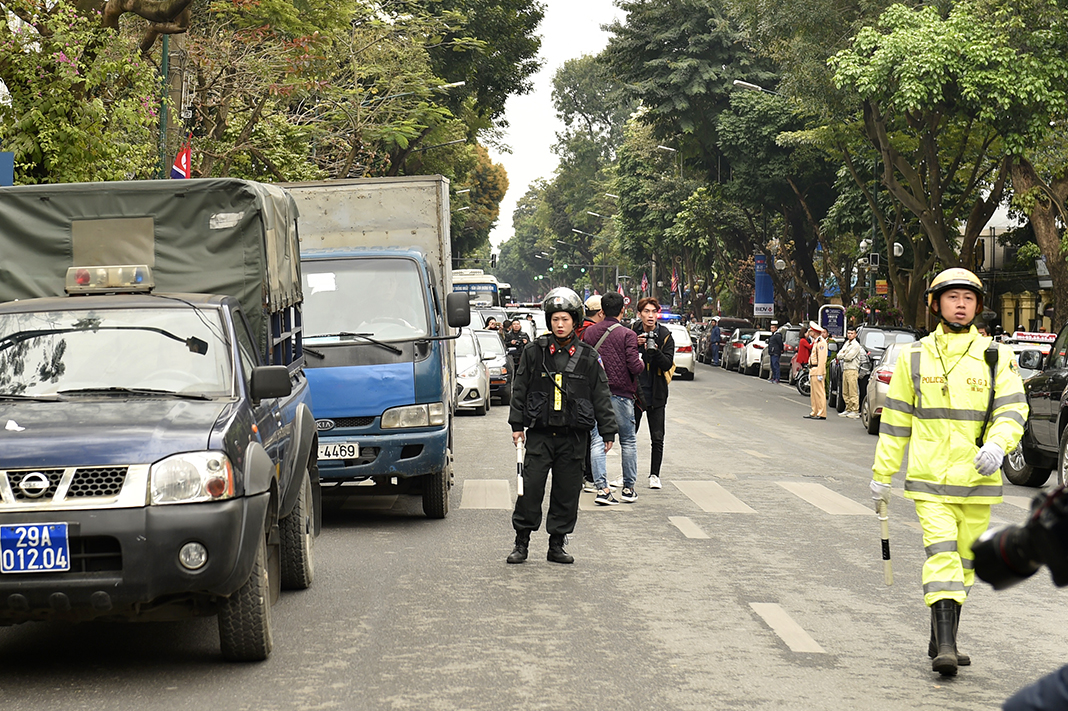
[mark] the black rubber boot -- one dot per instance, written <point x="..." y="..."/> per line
<point x="944" y="618"/>
<point x="557" y="554"/>
<point x="963" y="660"/>
<point x="522" y="545"/>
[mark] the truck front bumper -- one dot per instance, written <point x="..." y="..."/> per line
<point x="404" y="455"/>
<point x="124" y="562"/>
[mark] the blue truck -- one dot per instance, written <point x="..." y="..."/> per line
<point x="378" y="308"/>
<point x="157" y="448"/>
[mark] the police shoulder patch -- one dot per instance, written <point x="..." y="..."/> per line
<point x="1012" y="366"/>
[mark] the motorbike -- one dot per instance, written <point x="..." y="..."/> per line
<point x="802" y="381"/>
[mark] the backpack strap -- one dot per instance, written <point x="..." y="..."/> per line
<point x="990" y="355"/>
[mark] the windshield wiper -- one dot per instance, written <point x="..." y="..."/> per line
<point x="194" y="344"/>
<point x="365" y="336"/>
<point x="149" y="392"/>
<point x="39" y="398"/>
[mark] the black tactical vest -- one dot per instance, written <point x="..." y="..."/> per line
<point x="561" y="399"/>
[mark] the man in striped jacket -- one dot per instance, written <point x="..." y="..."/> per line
<point x="957" y="430"/>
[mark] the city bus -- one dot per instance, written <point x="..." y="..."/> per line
<point x="482" y="289"/>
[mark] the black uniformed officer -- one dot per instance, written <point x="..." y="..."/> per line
<point x="560" y="391"/>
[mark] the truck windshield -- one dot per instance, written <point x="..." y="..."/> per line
<point x="383" y="298"/>
<point x="167" y="350"/>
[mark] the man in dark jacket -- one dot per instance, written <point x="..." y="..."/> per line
<point x="714" y="337"/>
<point x="618" y="348"/>
<point x="658" y="353"/>
<point x="775" y="347"/>
<point x="560" y="392"/>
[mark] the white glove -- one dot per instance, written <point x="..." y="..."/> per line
<point x="988" y="459"/>
<point x="819" y="378"/>
<point x="879" y="492"/>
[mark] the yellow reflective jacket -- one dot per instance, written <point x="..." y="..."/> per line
<point x="940" y="426"/>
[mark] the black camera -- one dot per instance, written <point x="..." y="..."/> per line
<point x="1009" y="555"/>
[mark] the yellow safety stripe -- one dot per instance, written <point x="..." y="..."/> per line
<point x="949" y="413"/>
<point x="928" y="487"/>
<point x="1011" y="415"/>
<point x="892" y="403"/>
<point x="941" y="547"/>
<point x="943" y="586"/>
<point x="1010" y="399"/>
<point x="885" y="428"/>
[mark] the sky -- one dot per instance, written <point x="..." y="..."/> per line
<point x="571" y="28"/>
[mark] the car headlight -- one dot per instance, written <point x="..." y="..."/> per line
<point x="470" y="372"/>
<point x="495" y="372"/>
<point x="414" y="416"/>
<point x="189" y="477"/>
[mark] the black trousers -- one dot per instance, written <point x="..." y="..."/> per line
<point x="656" y="434"/>
<point x="564" y="454"/>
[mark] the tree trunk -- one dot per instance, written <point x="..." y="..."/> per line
<point x="1048" y="206"/>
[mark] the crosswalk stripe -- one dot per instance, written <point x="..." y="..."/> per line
<point x="1021" y="502"/>
<point x="486" y="494"/>
<point x="754" y="453"/>
<point x="688" y="527"/>
<point x="789" y="631"/>
<point x="712" y="498"/>
<point x="826" y="500"/>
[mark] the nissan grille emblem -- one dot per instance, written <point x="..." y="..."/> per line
<point x="34" y="485"/>
<point x="324" y="425"/>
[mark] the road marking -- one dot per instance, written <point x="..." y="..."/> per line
<point x="754" y="453"/>
<point x="713" y="435"/>
<point x="915" y="524"/>
<point x="789" y="631"/>
<point x="688" y="527"/>
<point x="681" y="421"/>
<point x="486" y="494"/>
<point x="369" y="502"/>
<point x="711" y="497"/>
<point x="1021" y="502"/>
<point x="799" y="402"/>
<point x="826" y="500"/>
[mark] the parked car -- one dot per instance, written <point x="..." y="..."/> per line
<point x="873" y="339"/>
<point x="684" y="363"/>
<point x="871" y="408"/>
<point x="472" y="375"/>
<point x="731" y="354"/>
<point x="727" y="324"/>
<point x="750" y="360"/>
<point x="500" y="367"/>
<point x="791" y="337"/>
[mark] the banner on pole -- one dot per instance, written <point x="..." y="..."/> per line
<point x="763" y="288"/>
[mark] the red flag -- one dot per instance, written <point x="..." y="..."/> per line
<point x="645" y="283"/>
<point x="181" y="167"/>
<point x="674" y="279"/>
<point x="619" y="288"/>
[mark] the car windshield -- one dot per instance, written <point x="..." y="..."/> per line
<point x="491" y="343"/>
<point x="382" y="298"/>
<point x="465" y="346"/>
<point x="882" y="339"/>
<point x="171" y="350"/>
<point x="890" y="356"/>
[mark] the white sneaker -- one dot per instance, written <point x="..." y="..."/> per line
<point x="854" y="415"/>
<point x="616" y="483"/>
<point x="843" y="413"/>
<point x="654" y="482"/>
<point x="589" y="487"/>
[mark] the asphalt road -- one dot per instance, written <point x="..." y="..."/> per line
<point x="752" y="580"/>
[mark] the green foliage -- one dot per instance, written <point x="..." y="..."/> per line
<point x="82" y="102"/>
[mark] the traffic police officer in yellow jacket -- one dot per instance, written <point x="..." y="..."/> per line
<point x="940" y="404"/>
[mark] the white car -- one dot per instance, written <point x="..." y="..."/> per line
<point x="472" y="375"/>
<point x="749" y="363"/>
<point x="683" y="351"/>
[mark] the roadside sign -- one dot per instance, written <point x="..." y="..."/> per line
<point x="833" y="318"/>
<point x="626" y="301"/>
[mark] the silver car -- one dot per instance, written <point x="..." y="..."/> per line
<point x="871" y="409"/>
<point x="472" y="375"/>
<point x="684" y="369"/>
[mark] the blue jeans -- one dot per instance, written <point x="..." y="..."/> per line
<point x="715" y="354"/>
<point x="775" y="362"/>
<point x="628" y="443"/>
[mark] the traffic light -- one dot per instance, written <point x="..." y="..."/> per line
<point x="493" y="261"/>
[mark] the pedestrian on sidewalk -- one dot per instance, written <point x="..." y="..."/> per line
<point x="851" y="356"/>
<point x="817" y="373"/>
<point x="618" y="349"/>
<point x="657" y="349"/>
<point x="940" y="404"/>
<point x="714" y="337"/>
<point x="775" y="347"/>
<point x="560" y="392"/>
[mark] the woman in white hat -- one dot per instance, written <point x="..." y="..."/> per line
<point x="817" y="373"/>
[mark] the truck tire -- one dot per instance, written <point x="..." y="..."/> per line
<point x="1020" y="473"/>
<point x="298" y="540"/>
<point x="245" y="618"/>
<point x="436" y="493"/>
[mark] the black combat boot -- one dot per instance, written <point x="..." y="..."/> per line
<point x="522" y="543"/>
<point x="963" y="660"/>
<point x="557" y="554"/>
<point x="944" y="617"/>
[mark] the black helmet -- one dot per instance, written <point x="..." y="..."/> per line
<point x="563" y="299"/>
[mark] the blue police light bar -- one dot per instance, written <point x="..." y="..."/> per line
<point x="112" y="279"/>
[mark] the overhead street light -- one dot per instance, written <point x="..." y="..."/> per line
<point x="748" y="86"/>
<point x="603" y="217"/>
<point x="667" y="148"/>
<point x="578" y="232"/>
<point x="612" y="196"/>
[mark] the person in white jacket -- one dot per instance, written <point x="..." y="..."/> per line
<point x="851" y="356"/>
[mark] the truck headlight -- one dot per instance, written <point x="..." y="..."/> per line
<point x="190" y="477"/>
<point x="414" y="416"/>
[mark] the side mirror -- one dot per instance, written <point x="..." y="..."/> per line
<point x="1031" y="360"/>
<point x="458" y="309"/>
<point x="270" y="381"/>
<point x="488" y="356"/>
